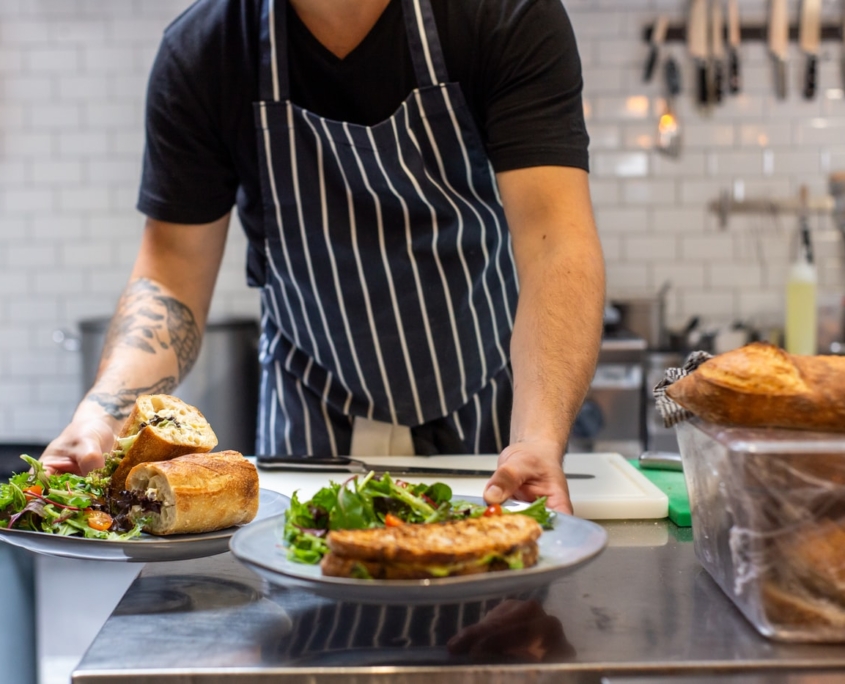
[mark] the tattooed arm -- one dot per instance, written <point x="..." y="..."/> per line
<point x="153" y="340"/>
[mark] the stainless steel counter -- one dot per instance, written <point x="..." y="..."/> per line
<point x="643" y="610"/>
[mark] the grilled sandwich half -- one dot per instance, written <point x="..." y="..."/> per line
<point x="465" y="547"/>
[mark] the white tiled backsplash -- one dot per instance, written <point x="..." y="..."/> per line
<point x="72" y="83"/>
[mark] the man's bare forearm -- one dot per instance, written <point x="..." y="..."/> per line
<point x="557" y="334"/>
<point x="152" y="343"/>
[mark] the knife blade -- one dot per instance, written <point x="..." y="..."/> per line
<point x="697" y="46"/>
<point x="717" y="41"/>
<point x="779" y="43"/>
<point x="809" y="38"/>
<point x="343" y="464"/>
<point x="658" y="37"/>
<point x="734" y="39"/>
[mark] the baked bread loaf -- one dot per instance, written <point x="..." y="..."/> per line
<point x="196" y="493"/>
<point x="159" y="428"/>
<point x="792" y="607"/>
<point x="410" y="551"/>
<point x="761" y="385"/>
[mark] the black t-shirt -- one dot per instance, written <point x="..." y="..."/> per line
<point x="516" y="62"/>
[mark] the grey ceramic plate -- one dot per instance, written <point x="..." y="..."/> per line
<point x="146" y="548"/>
<point x="571" y="543"/>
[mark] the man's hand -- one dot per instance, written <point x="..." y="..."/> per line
<point x="80" y="447"/>
<point x="527" y="471"/>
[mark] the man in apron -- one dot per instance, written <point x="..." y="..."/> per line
<point x="395" y="216"/>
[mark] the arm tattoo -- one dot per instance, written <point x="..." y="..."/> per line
<point x="119" y="404"/>
<point x="150" y="322"/>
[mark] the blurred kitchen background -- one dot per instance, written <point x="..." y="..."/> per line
<point x="73" y="76"/>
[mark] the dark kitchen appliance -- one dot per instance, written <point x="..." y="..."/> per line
<point x="223" y="383"/>
<point x="611" y="418"/>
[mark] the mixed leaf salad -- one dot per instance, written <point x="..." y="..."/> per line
<point x="63" y="504"/>
<point x="370" y="501"/>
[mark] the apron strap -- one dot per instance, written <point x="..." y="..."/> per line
<point x="424" y="42"/>
<point x="273" y="70"/>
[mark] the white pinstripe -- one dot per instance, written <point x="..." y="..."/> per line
<point x="294" y="170"/>
<point x="351" y="211"/>
<point x="460" y="218"/>
<point x="494" y="406"/>
<point x="421" y="26"/>
<point x="436" y="149"/>
<point x="413" y="261"/>
<point x="502" y="234"/>
<point x="274" y="66"/>
<point x="434" y="238"/>
<point x="477" y="403"/>
<point x="278" y="208"/>
<point x="403" y="343"/>
<point x="280" y="399"/>
<point x="324" y="407"/>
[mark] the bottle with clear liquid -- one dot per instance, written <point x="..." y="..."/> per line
<point x="801" y="329"/>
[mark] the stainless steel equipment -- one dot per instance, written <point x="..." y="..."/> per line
<point x="657" y="437"/>
<point x="611" y="418"/>
<point x="644" y="607"/>
<point x="223" y="383"/>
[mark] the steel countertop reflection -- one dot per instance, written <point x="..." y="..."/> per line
<point x="643" y="607"/>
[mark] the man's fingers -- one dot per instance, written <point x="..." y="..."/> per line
<point x="503" y="483"/>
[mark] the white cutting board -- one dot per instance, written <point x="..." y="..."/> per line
<point x="617" y="492"/>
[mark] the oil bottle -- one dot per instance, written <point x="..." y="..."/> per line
<point x="801" y="306"/>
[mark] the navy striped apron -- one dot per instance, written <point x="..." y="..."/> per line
<point x="389" y="283"/>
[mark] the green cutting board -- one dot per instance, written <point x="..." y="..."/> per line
<point x="671" y="483"/>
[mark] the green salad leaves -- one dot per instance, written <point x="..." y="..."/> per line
<point x="63" y="504"/>
<point x="370" y="501"/>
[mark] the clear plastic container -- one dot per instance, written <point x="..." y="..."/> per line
<point x="768" y="518"/>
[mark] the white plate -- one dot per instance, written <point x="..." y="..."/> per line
<point x="146" y="548"/>
<point x="571" y="543"/>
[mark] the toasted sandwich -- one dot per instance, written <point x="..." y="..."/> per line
<point x="193" y="493"/>
<point x="464" y="547"/>
<point x="159" y="428"/>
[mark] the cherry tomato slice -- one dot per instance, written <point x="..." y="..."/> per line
<point x="494" y="509"/>
<point x="99" y="520"/>
<point x="391" y="520"/>
<point x="33" y="491"/>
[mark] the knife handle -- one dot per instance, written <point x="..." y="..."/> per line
<point x="703" y="89"/>
<point x="651" y="62"/>
<point x="718" y="81"/>
<point x="734" y="78"/>
<point x="811" y="77"/>
<point x="780" y="78"/>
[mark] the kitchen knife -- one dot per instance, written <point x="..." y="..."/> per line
<point x="809" y="39"/>
<point x="734" y="39"/>
<point x="779" y="43"/>
<point x="658" y="37"/>
<point x="353" y="465"/>
<point x="717" y="42"/>
<point x="698" y="48"/>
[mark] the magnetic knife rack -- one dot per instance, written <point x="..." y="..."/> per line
<point x="726" y="205"/>
<point x="677" y="33"/>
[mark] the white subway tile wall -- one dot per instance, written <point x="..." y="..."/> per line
<point x="72" y="86"/>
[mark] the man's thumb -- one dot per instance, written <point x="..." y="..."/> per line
<point x="501" y="486"/>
